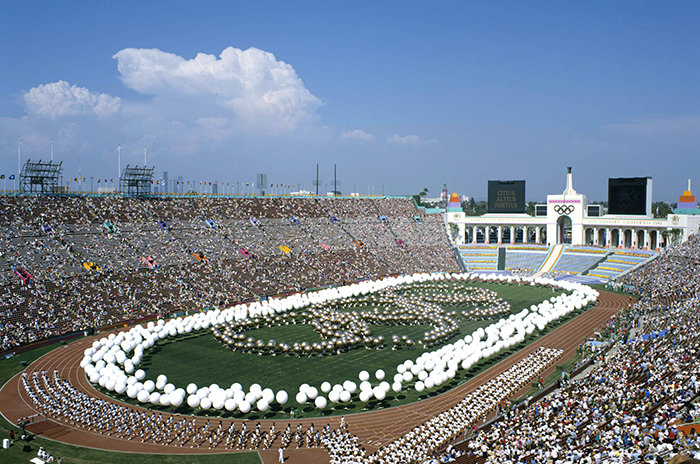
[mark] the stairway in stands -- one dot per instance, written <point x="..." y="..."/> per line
<point x="551" y="260"/>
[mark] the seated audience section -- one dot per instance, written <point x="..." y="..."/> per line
<point x="100" y="261"/>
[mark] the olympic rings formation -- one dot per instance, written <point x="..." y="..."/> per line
<point x="563" y="209"/>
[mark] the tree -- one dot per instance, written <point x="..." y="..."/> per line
<point x="424" y="192"/>
<point x="661" y="209"/>
<point x="454" y="232"/>
<point x="474" y="208"/>
<point x="530" y="210"/>
<point x="673" y="236"/>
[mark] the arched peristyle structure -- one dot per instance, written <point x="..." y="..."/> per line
<point x="564" y="230"/>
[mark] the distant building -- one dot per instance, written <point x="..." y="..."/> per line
<point x="567" y="219"/>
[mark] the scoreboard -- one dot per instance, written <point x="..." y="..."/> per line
<point x="629" y="195"/>
<point x="506" y="196"/>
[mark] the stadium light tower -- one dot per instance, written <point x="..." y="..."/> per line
<point x="19" y="168"/>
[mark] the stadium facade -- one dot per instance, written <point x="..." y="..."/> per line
<point x="569" y="220"/>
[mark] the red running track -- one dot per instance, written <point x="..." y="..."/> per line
<point x="373" y="429"/>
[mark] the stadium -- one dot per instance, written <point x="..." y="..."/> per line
<point x="140" y="327"/>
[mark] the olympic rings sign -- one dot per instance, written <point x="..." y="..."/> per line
<point x="563" y="209"/>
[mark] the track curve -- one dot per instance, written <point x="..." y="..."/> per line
<point x="373" y="429"/>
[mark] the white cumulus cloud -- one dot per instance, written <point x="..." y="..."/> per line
<point x="357" y="134"/>
<point x="409" y="139"/>
<point x="258" y="91"/>
<point x="57" y="99"/>
<point x="404" y="139"/>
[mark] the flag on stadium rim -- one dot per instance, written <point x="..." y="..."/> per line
<point x="12" y="176"/>
<point x="2" y="176"/>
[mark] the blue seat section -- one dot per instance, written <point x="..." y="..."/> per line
<point x="578" y="259"/>
<point x="618" y="262"/>
<point x="525" y="258"/>
<point x="479" y="258"/>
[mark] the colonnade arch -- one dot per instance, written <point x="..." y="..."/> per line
<point x="595" y="235"/>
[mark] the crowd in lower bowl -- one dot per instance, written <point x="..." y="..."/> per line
<point x="633" y="404"/>
<point x="71" y="263"/>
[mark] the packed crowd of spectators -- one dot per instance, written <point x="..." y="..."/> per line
<point x="672" y="276"/>
<point x="630" y="406"/>
<point x="96" y="261"/>
<point x="624" y="410"/>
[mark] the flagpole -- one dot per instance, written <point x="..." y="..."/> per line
<point x="19" y="141"/>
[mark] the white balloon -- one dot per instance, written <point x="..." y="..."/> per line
<point x="262" y="405"/>
<point x="230" y="404"/>
<point x="325" y="387"/>
<point x="268" y="394"/>
<point x="320" y="402"/>
<point x="379" y="393"/>
<point x="311" y="393"/>
<point x="364" y="376"/>
<point x="301" y="397"/>
<point x="217" y="402"/>
<point x="379" y="374"/>
<point x="334" y="396"/>
<point x="205" y="403"/>
<point x="282" y="397"/>
<point x="176" y="400"/>
<point x="244" y="406"/>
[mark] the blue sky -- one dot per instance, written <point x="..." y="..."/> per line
<point x="400" y="94"/>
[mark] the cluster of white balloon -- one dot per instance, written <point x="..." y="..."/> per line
<point x="112" y="361"/>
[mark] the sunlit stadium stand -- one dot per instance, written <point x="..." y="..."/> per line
<point x="575" y="262"/>
<point x="619" y="262"/>
<point x="525" y="258"/>
<point x="114" y="258"/>
<point x="479" y="258"/>
<point x="578" y="259"/>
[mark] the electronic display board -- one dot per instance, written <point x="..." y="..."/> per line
<point x="628" y="195"/>
<point x="506" y="196"/>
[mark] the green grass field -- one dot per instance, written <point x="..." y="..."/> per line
<point x="200" y="358"/>
<point x="77" y="455"/>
